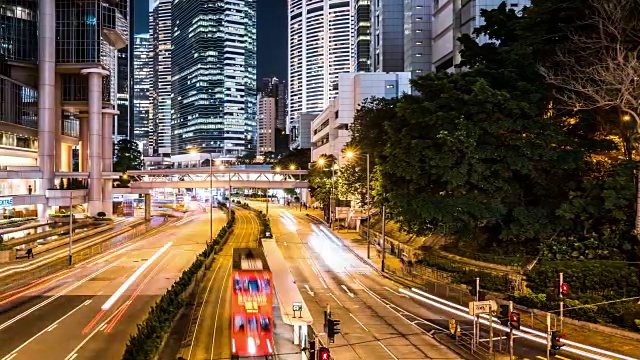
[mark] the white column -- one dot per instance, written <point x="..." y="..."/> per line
<point x="107" y="159"/>
<point x="46" y="97"/>
<point x="95" y="139"/>
<point x="83" y="153"/>
<point x="296" y="334"/>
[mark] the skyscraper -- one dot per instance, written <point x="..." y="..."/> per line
<point x="143" y="81"/>
<point x="320" y="48"/>
<point x="160" y="96"/>
<point x="214" y="81"/>
<point x="388" y="35"/>
<point x="362" y="36"/>
<point x="277" y="89"/>
<point x="266" y="124"/>
<point x="122" y="124"/>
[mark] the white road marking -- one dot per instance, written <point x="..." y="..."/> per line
<point x="336" y="299"/>
<point x="390" y="353"/>
<point x="397" y="293"/>
<point x="74" y="353"/>
<point x="309" y="290"/>
<point x="52" y="327"/>
<point x="9" y="357"/>
<point x="347" y="290"/>
<point x="361" y="324"/>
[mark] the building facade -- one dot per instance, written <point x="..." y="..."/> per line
<point x="361" y="61"/>
<point x="214" y="83"/>
<point x="320" y="48"/>
<point x="267" y="118"/>
<point x="143" y="80"/>
<point x="387" y="37"/>
<point x="160" y="95"/>
<point x="451" y="19"/>
<point x="330" y="129"/>
<point x="58" y="100"/>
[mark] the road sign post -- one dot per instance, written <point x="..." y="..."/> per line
<point x="548" y="334"/>
<point x="297" y="307"/>
<point x="510" y="333"/>
<point x="561" y="300"/>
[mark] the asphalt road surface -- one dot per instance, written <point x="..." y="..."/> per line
<point x="89" y="311"/>
<point x="208" y="333"/>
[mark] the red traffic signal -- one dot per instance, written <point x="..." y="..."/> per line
<point x="564" y="289"/>
<point x="514" y="320"/>
<point x="324" y="354"/>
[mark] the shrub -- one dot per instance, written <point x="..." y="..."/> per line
<point x="154" y="328"/>
<point x="101" y="214"/>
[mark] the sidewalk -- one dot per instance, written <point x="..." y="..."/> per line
<point x="393" y="266"/>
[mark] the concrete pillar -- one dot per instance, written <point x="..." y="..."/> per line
<point x="84" y="142"/>
<point x="107" y="159"/>
<point x="147" y="206"/>
<point x="296" y="334"/>
<point x="95" y="139"/>
<point x="46" y="96"/>
<point x="58" y="128"/>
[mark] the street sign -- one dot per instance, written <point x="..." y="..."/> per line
<point x="482" y="307"/>
<point x="6" y="202"/>
<point x="297" y="306"/>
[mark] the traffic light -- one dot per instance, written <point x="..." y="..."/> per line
<point x="564" y="289"/>
<point x="504" y="315"/>
<point x="556" y="340"/>
<point x="514" y="320"/>
<point x="334" y="329"/>
<point x="324" y="354"/>
<point x="474" y="289"/>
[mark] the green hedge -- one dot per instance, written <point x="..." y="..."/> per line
<point x="463" y="275"/>
<point x="265" y="225"/>
<point x="146" y="342"/>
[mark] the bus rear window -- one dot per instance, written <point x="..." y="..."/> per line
<point x="238" y="323"/>
<point x="237" y="285"/>
<point x="253" y="286"/>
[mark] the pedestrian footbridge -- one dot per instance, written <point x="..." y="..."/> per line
<point x="217" y="178"/>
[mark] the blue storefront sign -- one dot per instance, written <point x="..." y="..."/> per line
<point x="6" y="202"/>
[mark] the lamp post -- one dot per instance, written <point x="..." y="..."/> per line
<point x="70" y="228"/>
<point x="351" y="154"/>
<point x="210" y="197"/>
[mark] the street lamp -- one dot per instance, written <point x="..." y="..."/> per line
<point x="351" y="154"/>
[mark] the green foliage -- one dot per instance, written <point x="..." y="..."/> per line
<point x="4" y="247"/>
<point x="9" y="223"/>
<point x="150" y="334"/>
<point x="606" y="278"/>
<point x="298" y="157"/>
<point x="128" y="156"/>
<point x="265" y="225"/>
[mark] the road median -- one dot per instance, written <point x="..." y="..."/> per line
<point x="154" y="329"/>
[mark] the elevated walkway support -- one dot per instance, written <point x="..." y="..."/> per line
<point x="287" y="292"/>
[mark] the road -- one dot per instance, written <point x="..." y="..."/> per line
<point x="89" y="312"/>
<point x="208" y="329"/>
<point x="371" y="328"/>
<point x="372" y="310"/>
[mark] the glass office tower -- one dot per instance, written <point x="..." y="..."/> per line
<point x="214" y="77"/>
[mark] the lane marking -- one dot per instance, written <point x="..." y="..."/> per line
<point x="49" y="328"/>
<point x="562" y="357"/>
<point x="390" y="353"/>
<point x="347" y="290"/>
<point x="361" y="324"/>
<point x="49" y="300"/>
<point x="133" y="277"/>
<point x="74" y="353"/>
<point x="309" y="290"/>
<point x="541" y="358"/>
<point x="336" y="299"/>
<point x="397" y="293"/>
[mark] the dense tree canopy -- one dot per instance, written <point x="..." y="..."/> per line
<point x="128" y="156"/>
<point x="490" y="155"/>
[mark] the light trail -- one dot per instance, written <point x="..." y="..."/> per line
<point x="133" y="277"/>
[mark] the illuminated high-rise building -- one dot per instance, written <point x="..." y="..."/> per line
<point x="320" y="48"/>
<point x="160" y="95"/>
<point x="143" y="80"/>
<point x="214" y="77"/>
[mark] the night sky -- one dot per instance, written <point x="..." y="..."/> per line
<point x="272" y="35"/>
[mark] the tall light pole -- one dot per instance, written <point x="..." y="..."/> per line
<point x="70" y="228"/>
<point x="351" y="154"/>
<point x="210" y="197"/>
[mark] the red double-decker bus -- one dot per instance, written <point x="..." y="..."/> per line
<point x="252" y="305"/>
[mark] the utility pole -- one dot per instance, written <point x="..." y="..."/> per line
<point x="548" y="334"/>
<point x="210" y="197"/>
<point x="70" y="228"/>
<point x="561" y="300"/>
<point x="511" y="333"/>
<point x="368" y="211"/>
<point x="476" y="318"/>
<point x="384" y="220"/>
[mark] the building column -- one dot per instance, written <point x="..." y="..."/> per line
<point x="58" y="128"/>
<point x="107" y="159"/>
<point x="83" y="152"/>
<point x="95" y="139"/>
<point x="46" y="97"/>
<point x="147" y="206"/>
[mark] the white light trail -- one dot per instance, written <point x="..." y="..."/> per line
<point x="529" y="330"/>
<point x="133" y="277"/>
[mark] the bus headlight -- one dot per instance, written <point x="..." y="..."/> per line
<point x="251" y="344"/>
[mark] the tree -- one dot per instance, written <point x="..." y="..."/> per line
<point x="247" y="158"/>
<point x="601" y="70"/>
<point x="298" y="158"/>
<point x="128" y="156"/>
<point x="351" y="182"/>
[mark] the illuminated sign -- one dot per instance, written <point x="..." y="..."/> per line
<point x="6" y="202"/>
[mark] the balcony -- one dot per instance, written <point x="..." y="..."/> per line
<point x="115" y="28"/>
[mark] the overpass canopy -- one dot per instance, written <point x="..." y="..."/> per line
<point x="217" y="178"/>
<point x="287" y="291"/>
